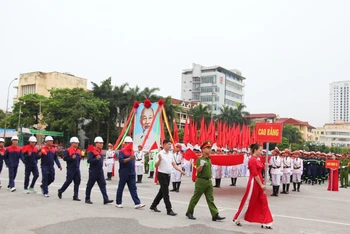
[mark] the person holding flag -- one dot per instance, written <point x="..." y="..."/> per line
<point x="127" y="174"/>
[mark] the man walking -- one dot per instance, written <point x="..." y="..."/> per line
<point x="165" y="163"/>
<point x="30" y="159"/>
<point x="72" y="156"/>
<point x="203" y="184"/>
<point x="12" y="156"/>
<point x="127" y="174"/>
<point x="95" y="159"/>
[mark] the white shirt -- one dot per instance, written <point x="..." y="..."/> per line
<point x="165" y="165"/>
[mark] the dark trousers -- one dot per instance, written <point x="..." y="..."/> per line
<point x="48" y="176"/>
<point x="12" y="176"/>
<point x="100" y="179"/>
<point x="72" y="175"/>
<point x="312" y="173"/>
<point x="164" y="180"/>
<point x="30" y="170"/>
<point x="130" y="180"/>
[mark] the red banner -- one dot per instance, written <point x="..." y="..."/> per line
<point x="332" y="164"/>
<point x="269" y="132"/>
<point x="226" y="160"/>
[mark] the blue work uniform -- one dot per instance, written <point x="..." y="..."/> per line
<point x="48" y="158"/>
<point x="12" y="156"/>
<point x="30" y="159"/>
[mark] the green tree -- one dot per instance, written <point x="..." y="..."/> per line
<point x="181" y="134"/>
<point x="284" y="144"/>
<point x="149" y="93"/>
<point x="226" y="115"/>
<point x="170" y="110"/>
<point x="292" y="134"/>
<point x="198" y="112"/>
<point x="30" y="106"/>
<point x="66" y="109"/>
<point x="122" y="104"/>
<point x="239" y="114"/>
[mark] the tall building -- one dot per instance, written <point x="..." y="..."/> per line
<point x="339" y="101"/>
<point x="215" y="86"/>
<point x="41" y="83"/>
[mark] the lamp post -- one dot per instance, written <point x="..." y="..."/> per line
<point x="7" y="105"/>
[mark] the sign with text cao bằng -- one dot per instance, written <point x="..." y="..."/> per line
<point x="269" y="132"/>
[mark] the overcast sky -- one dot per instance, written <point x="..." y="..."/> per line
<point x="289" y="51"/>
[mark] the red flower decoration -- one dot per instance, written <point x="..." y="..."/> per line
<point x="161" y="102"/>
<point x="136" y="104"/>
<point x="147" y="103"/>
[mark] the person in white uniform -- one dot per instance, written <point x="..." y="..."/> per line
<point x="234" y="170"/>
<point x="287" y="165"/>
<point x="276" y="164"/>
<point x="297" y="171"/>
<point x="139" y="161"/>
<point x="110" y="161"/>
<point x="176" y="175"/>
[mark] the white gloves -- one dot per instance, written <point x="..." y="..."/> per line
<point x="203" y="163"/>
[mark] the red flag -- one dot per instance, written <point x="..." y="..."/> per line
<point x="189" y="154"/>
<point x="154" y="146"/>
<point x="176" y="132"/>
<point x="203" y="132"/>
<point x="162" y="135"/>
<point x="186" y="133"/>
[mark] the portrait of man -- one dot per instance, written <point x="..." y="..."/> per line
<point x="143" y="122"/>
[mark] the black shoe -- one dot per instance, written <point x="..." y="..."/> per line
<point x="190" y="216"/>
<point x="154" y="209"/>
<point x="217" y="217"/>
<point x="107" y="201"/>
<point x="172" y="213"/>
<point x="59" y="194"/>
<point x="88" y="201"/>
<point x="76" y="199"/>
<point x="41" y="187"/>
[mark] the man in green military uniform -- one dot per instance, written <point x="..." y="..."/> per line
<point x="146" y="163"/>
<point x="203" y="184"/>
<point x="344" y="167"/>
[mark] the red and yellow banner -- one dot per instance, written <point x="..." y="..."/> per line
<point x="269" y="132"/>
<point x="332" y="164"/>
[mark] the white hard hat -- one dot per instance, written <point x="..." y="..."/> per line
<point x="74" y="140"/>
<point x="2" y="139"/>
<point x="32" y="139"/>
<point x="48" y="138"/>
<point x="128" y="139"/>
<point x="98" y="139"/>
<point x="14" y="138"/>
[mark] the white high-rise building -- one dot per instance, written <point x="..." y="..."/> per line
<point x="216" y="86"/>
<point x="339" y="101"/>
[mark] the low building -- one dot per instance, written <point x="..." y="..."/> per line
<point x="333" y="134"/>
<point x="265" y="117"/>
<point x="304" y="127"/>
<point x="184" y="113"/>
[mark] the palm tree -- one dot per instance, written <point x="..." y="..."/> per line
<point x="122" y="103"/>
<point x="198" y="112"/>
<point x="170" y="110"/>
<point x="149" y="93"/>
<point x="225" y="114"/>
<point x="239" y="113"/>
<point x="292" y="134"/>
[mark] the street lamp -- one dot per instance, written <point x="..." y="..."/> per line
<point x="7" y="105"/>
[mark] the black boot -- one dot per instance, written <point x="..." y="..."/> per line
<point x="319" y="182"/>
<point x="178" y="186"/>
<point x="174" y="187"/>
<point x="273" y="191"/>
<point x="298" y="189"/>
<point x="284" y="189"/>
<point x="232" y="179"/>
<point x="287" y="190"/>
<point x="216" y="183"/>
<point x="108" y="178"/>
<point x="141" y="178"/>
<point x="294" y="187"/>
<point x="151" y="174"/>
<point x="138" y="179"/>
<point x="219" y="182"/>
<point x="277" y="190"/>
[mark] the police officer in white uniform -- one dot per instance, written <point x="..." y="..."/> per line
<point x="287" y="165"/>
<point x="297" y="171"/>
<point x="276" y="164"/>
<point x="176" y="175"/>
<point x="139" y="161"/>
<point x="110" y="161"/>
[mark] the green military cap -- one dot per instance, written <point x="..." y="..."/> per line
<point x="206" y="144"/>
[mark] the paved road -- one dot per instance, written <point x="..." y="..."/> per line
<point x="312" y="211"/>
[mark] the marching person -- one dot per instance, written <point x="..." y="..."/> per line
<point x="72" y="156"/>
<point x="176" y="175"/>
<point x="203" y="184"/>
<point x="95" y="159"/>
<point x="234" y="171"/>
<point x="127" y="174"/>
<point x="48" y="157"/>
<point x="110" y="161"/>
<point x="12" y="156"/>
<point x="297" y="171"/>
<point x="2" y="154"/>
<point x="287" y="164"/>
<point x="139" y="161"/>
<point x="254" y="206"/>
<point x="165" y="163"/>
<point x="30" y="159"/>
<point x="275" y="164"/>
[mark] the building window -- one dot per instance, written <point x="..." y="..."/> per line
<point x="209" y="98"/>
<point x="28" y="89"/>
<point x="209" y="89"/>
<point x="234" y="95"/>
<point x="208" y="79"/>
<point x="233" y="85"/>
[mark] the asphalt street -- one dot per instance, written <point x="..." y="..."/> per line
<point x="314" y="210"/>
